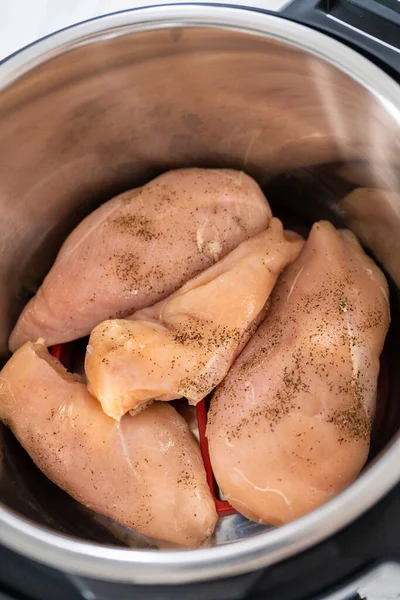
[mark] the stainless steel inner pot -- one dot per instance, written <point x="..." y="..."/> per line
<point x="107" y="105"/>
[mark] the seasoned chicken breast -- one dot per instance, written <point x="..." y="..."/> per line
<point x="184" y="346"/>
<point x="290" y="425"/>
<point x="145" y="471"/>
<point x="140" y="247"/>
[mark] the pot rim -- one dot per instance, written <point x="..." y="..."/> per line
<point x="158" y="567"/>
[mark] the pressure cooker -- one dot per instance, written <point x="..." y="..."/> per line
<point x="307" y="102"/>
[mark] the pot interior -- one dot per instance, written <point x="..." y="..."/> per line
<point x="110" y="112"/>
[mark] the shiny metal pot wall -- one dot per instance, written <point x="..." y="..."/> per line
<point x="108" y="104"/>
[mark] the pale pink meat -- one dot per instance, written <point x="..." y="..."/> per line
<point x="184" y="346"/>
<point x="140" y="247"/>
<point x="145" y="471"/>
<point x="290" y="425"/>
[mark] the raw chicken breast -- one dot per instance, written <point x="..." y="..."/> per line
<point x="145" y="471"/>
<point x="185" y="345"/>
<point x="290" y="425"/>
<point x="140" y="247"/>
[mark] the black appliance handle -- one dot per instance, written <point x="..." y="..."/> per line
<point x="372" y="27"/>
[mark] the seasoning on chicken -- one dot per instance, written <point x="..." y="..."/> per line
<point x="145" y="471"/>
<point x="290" y="425"/>
<point x="184" y="346"/>
<point x="139" y="248"/>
